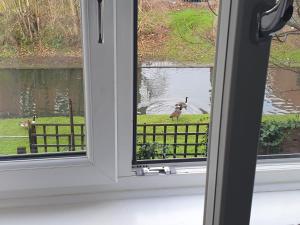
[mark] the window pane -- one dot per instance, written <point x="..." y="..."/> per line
<point x="173" y="80"/>
<point x="41" y="88"/>
<point x="280" y="130"/>
<point x="280" y="127"/>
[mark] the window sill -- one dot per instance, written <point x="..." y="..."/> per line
<point x="270" y="176"/>
<point x="268" y="208"/>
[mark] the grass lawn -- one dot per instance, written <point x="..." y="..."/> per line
<point x="187" y="35"/>
<point x="12" y="135"/>
<point x="159" y="140"/>
<point x="180" y="138"/>
<point x="191" y="36"/>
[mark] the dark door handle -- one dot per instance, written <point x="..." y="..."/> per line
<point x="100" y="21"/>
<point x="274" y="19"/>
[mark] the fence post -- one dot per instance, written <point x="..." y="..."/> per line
<point x="32" y="137"/>
<point x="72" y="126"/>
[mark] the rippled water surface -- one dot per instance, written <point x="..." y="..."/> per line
<point x="160" y="89"/>
<point x="45" y="92"/>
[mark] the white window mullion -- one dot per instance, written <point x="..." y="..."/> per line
<point x="101" y="85"/>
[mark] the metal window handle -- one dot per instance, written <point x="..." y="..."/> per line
<point x="100" y="21"/>
<point x="274" y="19"/>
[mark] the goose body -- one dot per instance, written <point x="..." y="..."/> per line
<point x="176" y="113"/>
<point x="25" y="124"/>
<point x="183" y="105"/>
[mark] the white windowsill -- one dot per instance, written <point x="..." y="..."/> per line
<point x="268" y="208"/>
<point x="270" y="176"/>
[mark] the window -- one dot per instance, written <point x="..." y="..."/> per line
<point x="109" y="99"/>
<point x="280" y="136"/>
<point x="174" y="61"/>
<point x="233" y="149"/>
<point x="97" y="166"/>
<point x="175" y="48"/>
<point x="280" y="120"/>
<point x="42" y="83"/>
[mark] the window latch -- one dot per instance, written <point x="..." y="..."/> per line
<point x="274" y="19"/>
<point x="152" y="171"/>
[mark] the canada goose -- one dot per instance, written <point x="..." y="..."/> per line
<point x="176" y="113"/>
<point x="25" y="124"/>
<point x="182" y="104"/>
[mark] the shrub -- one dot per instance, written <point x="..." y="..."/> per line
<point x="153" y="151"/>
<point x="273" y="133"/>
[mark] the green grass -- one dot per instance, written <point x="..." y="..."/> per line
<point x="201" y="118"/>
<point x="281" y="118"/>
<point x="191" y="38"/>
<point x="285" y="54"/>
<point x="164" y="119"/>
<point x="205" y="118"/>
<point x="11" y="127"/>
<point x="159" y="139"/>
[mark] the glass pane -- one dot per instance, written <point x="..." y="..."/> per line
<point x="280" y="127"/>
<point x="175" y="58"/>
<point x="280" y="130"/>
<point x="41" y="88"/>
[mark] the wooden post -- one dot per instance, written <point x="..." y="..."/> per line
<point x="72" y="126"/>
<point x="32" y="137"/>
<point x="21" y="150"/>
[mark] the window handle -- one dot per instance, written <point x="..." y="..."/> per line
<point x="100" y="21"/>
<point x="274" y="19"/>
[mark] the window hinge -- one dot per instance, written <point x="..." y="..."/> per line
<point x="151" y="171"/>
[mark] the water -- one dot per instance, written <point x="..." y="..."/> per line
<point x="45" y="92"/>
<point x="160" y="89"/>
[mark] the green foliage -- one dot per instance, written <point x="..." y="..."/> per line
<point x="271" y="136"/>
<point x="273" y="133"/>
<point x="30" y="26"/>
<point x="153" y="151"/>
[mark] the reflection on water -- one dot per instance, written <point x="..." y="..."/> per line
<point x="160" y="89"/>
<point x="282" y="92"/>
<point x="44" y="92"/>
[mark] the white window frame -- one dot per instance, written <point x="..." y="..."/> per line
<point x="270" y="172"/>
<point x="98" y="167"/>
<point x="109" y="95"/>
<point x="233" y="155"/>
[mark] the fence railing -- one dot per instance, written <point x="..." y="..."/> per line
<point x="56" y="137"/>
<point x="170" y="141"/>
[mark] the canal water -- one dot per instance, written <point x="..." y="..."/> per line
<point x="45" y="92"/>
